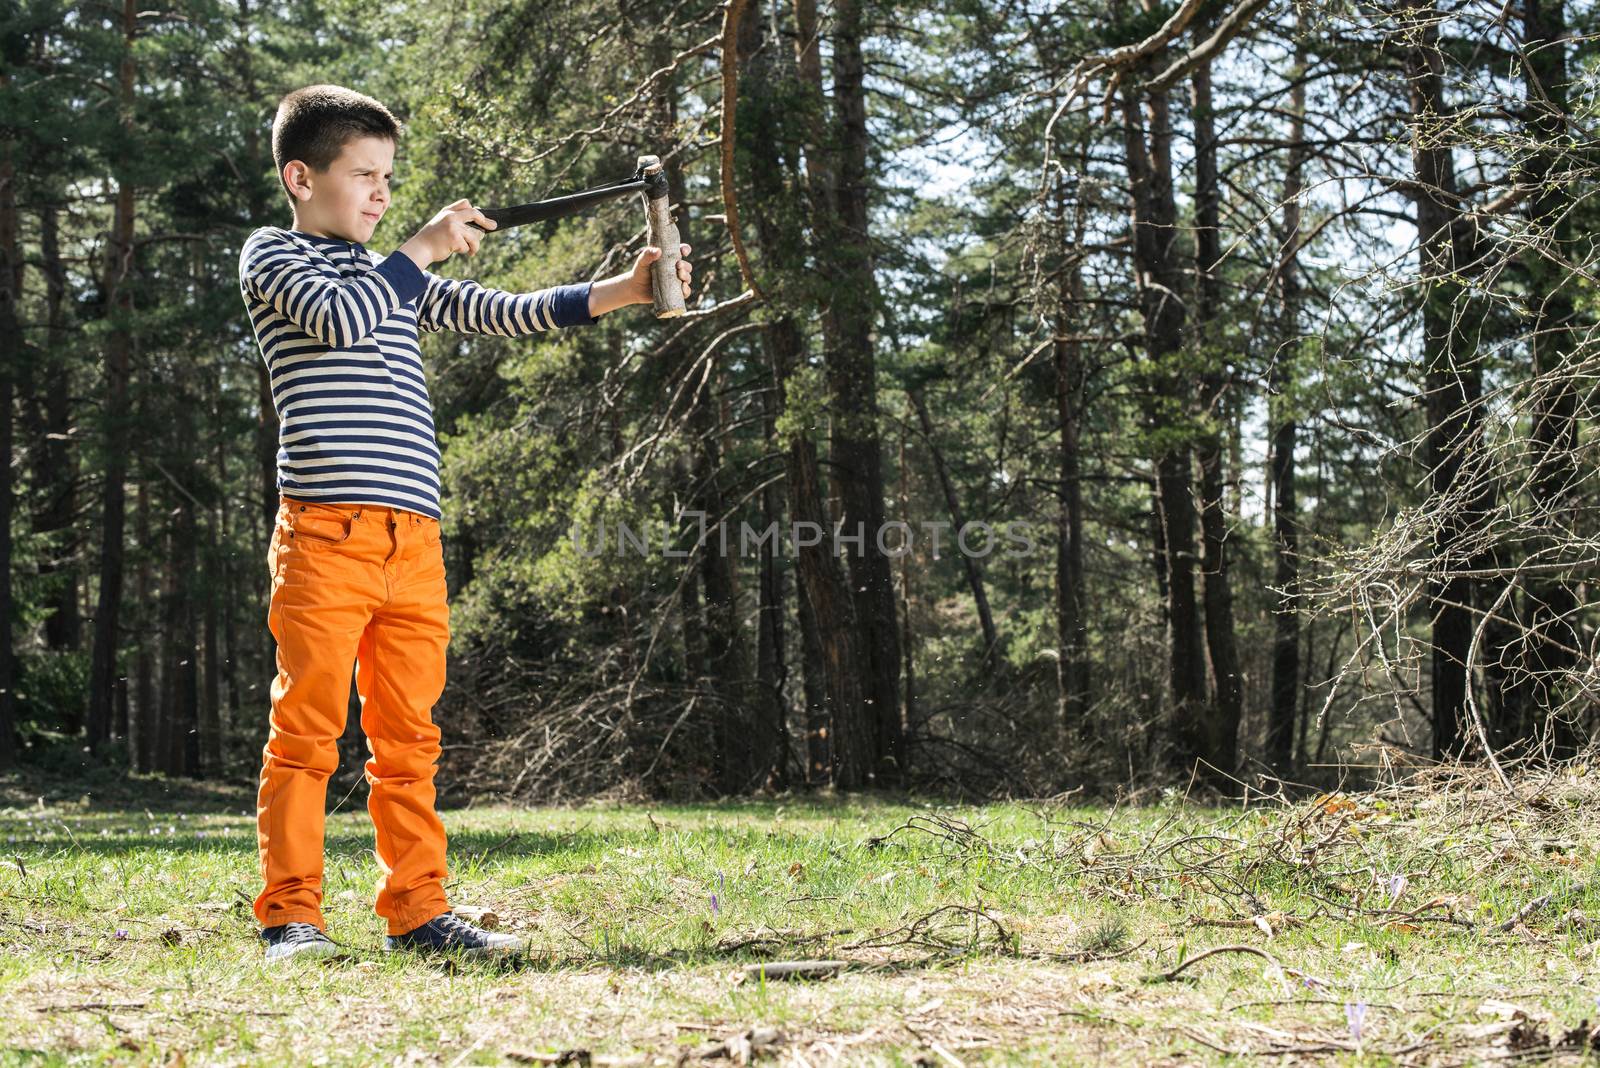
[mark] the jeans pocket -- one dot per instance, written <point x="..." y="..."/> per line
<point x="318" y="530"/>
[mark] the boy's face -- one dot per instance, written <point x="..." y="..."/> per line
<point x="349" y="198"/>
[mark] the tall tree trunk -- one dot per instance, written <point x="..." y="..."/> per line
<point x="1551" y="634"/>
<point x="819" y="161"/>
<point x="255" y="655"/>
<point x="1453" y="382"/>
<point x="54" y="471"/>
<point x="259" y="158"/>
<point x="743" y="749"/>
<point x="179" y="728"/>
<point x="1072" y="627"/>
<point x="231" y="646"/>
<point x="117" y="306"/>
<point x="1160" y="281"/>
<point x="840" y="217"/>
<point x="181" y="711"/>
<point x="844" y="744"/>
<point x="219" y="634"/>
<point x="689" y="611"/>
<point x="849" y="731"/>
<point x="1235" y="407"/>
<point x="168" y="624"/>
<point x="1222" y="725"/>
<point x="1284" y="430"/>
<point x="208" y="520"/>
<point x="1303" y="697"/>
<point x="969" y="563"/>
<point x="741" y="763"/>
<point x="13" y="343"/>
<point x="771" y="666"/>
<point x="210" y="717"/>
<point x="144" y="719"/>
<point x="908" y="714"/>
<point x="818" y="748"/>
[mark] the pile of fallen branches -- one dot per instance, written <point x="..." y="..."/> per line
<point x="554" y="733"/>
<point x="1384" y="856"/>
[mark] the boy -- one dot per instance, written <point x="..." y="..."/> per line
<point x="358" y="572"/>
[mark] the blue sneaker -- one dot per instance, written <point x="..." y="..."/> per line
<point x="297" y="940"/>
<point x="451" y="934"/>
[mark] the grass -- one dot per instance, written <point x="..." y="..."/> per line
<point x="1000" y="934"/>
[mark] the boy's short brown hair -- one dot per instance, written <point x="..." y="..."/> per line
<point x="315" y="123"/>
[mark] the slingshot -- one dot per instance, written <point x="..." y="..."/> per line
<point x="649" y="180"/>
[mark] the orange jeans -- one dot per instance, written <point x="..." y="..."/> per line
<point x="354" y="584"/>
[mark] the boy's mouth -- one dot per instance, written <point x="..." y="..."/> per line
<point x="373" y="215"/>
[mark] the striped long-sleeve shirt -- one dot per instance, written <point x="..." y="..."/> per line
<point x="338" y="329"/>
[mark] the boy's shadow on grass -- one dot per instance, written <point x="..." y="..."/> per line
<point x="636" y="958"/>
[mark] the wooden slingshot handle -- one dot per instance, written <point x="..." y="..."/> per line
<point x="665" y="288"/>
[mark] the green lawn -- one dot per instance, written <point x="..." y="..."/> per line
<point x="1017" y="933"/>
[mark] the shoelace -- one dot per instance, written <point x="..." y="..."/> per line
<point x="295" y="933"/>
<point x="454" y="927"/>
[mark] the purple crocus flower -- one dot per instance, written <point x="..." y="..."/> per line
<point x="122" y="934"/>
<point x="1354" y="1013"/>
<point x="714" y="907"/>
<point x="1397" y="886"/>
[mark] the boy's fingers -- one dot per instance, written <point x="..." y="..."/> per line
<point x="683" y="250"/>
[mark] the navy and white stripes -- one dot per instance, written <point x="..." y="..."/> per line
<point x="338" y="330"/>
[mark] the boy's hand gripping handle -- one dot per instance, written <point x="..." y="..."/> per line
<point x="665" y="288"/>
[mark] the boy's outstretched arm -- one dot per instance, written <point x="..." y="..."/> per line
<point x="466" y="307"/>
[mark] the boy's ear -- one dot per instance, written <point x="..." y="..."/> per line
<point x="297" y="177"/>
